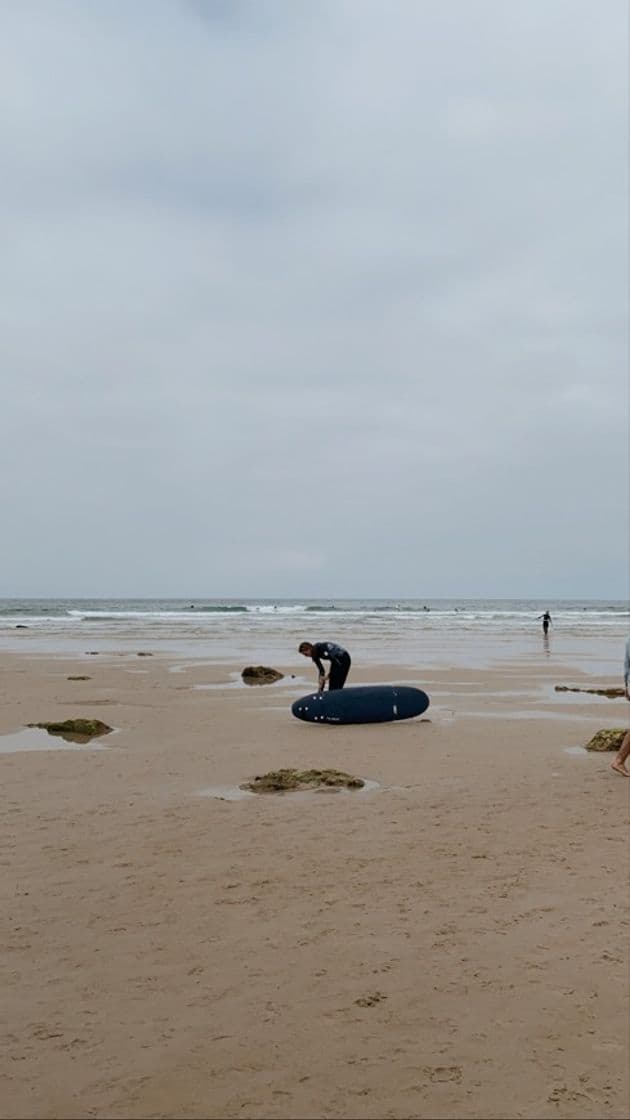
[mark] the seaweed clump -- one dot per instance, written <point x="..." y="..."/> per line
<point x="611" y="693"/>
<point x="279" y="781"/>
<point x="260" y="674"/>
<point x="608" y="739"/>
<point x="75" y="730"/>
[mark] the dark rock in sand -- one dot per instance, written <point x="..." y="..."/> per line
<point x="75" y="730"/>
<point x="277" y="781"/>
<point x="608" y="739"/>
<point x="260" y="674"/>
<point x="143" y="654"/>
<point x="611" y="693"/>
<point x="21" y="626"/>
<point x="78" y="678"/>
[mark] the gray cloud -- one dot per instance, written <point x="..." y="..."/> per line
<point x="314" y="299"/>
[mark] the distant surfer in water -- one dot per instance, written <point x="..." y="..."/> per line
<point x="546" y="621"/>
<point x="339" y="662"/>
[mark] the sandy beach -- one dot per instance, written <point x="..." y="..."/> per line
<point x="453" y="943"/>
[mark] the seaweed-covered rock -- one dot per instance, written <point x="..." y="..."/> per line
<point x="608" y="739"/>
<point x="277" y="781"/>
<point x="260" y="674"/>
<point x="611" y="693"/>
<point x="75" y="730"/>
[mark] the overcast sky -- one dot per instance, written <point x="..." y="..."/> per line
<point x="318" y="298"/>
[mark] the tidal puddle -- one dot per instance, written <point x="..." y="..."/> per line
<point x="442" y="715"/>
<point x="235" y="793"/>
<point x="576" y="750"/>
<point x="36" y="739"/>
<point x="187" y="666"/>
<point x="238" y="682"/>
<point x="226" y="793"/>
<point x="531" y="714"/>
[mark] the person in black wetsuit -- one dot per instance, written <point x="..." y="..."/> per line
<point x="339" y="662"/>
<point x="546" y="619"/>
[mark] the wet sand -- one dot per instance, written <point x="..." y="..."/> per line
<point x="453" y="943"/>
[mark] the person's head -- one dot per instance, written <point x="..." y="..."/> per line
<point x="306" y="648"/>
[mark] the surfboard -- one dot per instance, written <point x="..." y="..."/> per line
<point x="375" y="703"/>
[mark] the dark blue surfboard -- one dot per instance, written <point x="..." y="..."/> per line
<point x="373" y="703"/>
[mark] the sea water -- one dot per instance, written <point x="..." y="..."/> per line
<point x="589" y="634"/>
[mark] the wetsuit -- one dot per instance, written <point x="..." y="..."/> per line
<point x="546" y="621"/>
<point x="339" y="663"/>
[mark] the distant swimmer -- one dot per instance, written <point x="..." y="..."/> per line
<point x="618" y="763"/>
<point x="339" y="658"/>
<point x="546" y="621"/>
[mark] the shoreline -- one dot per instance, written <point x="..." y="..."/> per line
<point x="448" y="944"/>
<point x="414" y="651"/>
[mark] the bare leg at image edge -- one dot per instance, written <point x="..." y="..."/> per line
<point x="618" y="763"/>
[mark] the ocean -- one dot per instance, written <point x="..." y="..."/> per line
<point x="479" y="614"/>
<point x="386" y="630"/>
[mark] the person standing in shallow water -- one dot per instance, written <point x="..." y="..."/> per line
<point x="618" y="763"/>
<point x="546" y="621"/>
<point x="339" y="658"/>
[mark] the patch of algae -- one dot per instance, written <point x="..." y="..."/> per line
<point x="278" y="781"/>
<point x="611" y="693"/>
<point x="75" y="730"/>
<point x="260" y="674"/>
<point x="608" y="739"/>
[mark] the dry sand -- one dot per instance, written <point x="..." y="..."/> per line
<point x="453" y="944"/>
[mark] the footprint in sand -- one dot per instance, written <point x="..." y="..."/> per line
<point x="371" y="1000"/>
<point x="443" y="1073"/>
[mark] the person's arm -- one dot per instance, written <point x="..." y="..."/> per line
<point x="322" y="673"/>
<point x="626" y="669"/>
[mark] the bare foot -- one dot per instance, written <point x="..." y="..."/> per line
<point x="620" y="768"/>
